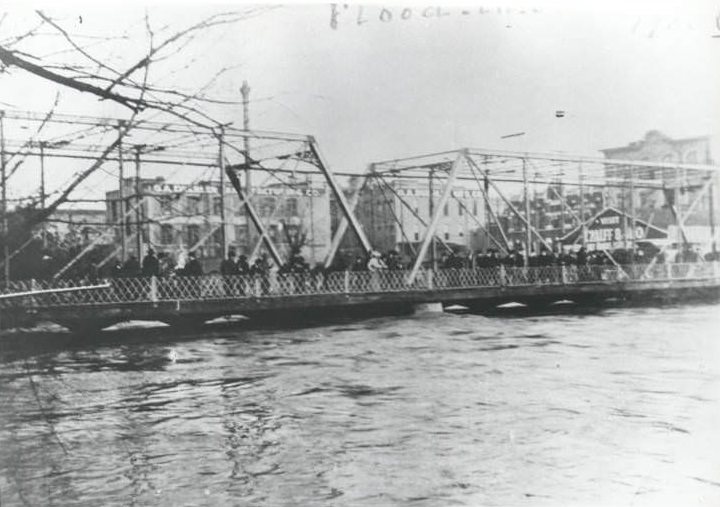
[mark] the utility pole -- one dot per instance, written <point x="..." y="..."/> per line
<point x="121" y="192"/>
<point x="6" y="250"/>
<point x="42" y="190"/>
<point x="221" y="168"/>
<point x="245" y="90"/>
<point x="138" y="204"/>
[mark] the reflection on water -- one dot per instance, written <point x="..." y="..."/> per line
<point x="615" y="407"/>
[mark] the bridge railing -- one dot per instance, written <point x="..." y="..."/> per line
<point x="217" y="287"/>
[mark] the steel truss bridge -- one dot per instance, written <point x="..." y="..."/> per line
<point x="229" y="155"/>
<point x="193" y="300"/>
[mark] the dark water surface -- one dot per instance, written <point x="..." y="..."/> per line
<point x="616" y="407"/>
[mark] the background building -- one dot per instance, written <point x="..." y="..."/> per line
<point x="680" y="186"/>
<point x="393" y="219"/>
<point x="657" y="147"/>
<point x="82" y="226"/>
<point x="181" y="218"/>
<point x="549" y="216"/>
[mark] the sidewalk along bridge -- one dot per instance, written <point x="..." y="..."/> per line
<point x="194" y="300"/>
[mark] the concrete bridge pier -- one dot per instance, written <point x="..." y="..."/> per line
<point x="425" y="308"/>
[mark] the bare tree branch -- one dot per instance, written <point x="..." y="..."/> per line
<point x="9" y="58"/>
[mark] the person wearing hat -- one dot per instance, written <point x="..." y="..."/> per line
<point x="375" y="265"/>
<point x="150" y="264"/>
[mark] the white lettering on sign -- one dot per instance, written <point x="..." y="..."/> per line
<point x="610" y="220"/>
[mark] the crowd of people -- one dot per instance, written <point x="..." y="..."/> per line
<point x="162" y="265"/>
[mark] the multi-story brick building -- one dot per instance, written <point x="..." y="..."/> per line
<point x="657" y="147"/>
<point x="181" y="217"/>
<point x="80" y="225"/>
<point x="549" y="216"/>
<point x="681" y="185"/>
<point x="393" y="219"/>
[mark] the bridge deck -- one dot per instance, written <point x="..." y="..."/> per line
<point x="176" y="298"/>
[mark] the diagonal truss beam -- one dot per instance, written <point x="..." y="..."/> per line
<point x="512" y="208"/>
<point x="250" y="211"/>
<point x="381" y="178"/>
<point x="430" y="232"/>
<point x="343" y="225"/>
<point x="681" y="222"/>
<point x="95" y="242"/>
<point x="480" y="225"/>
<point x="344" y="206"/>
<point x="474" y="166"/>
<point x="397" y="220"/>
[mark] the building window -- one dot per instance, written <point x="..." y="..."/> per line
<point x="445" y="210"/>
<point x="193" y="205"/>
<point x="166" y="234"/>
<point x="460" y="208"/>
<point x="291" y="207"/>
<point x="447" y="235"/>
<point x="267" y="206"/>
<point x="475" y="208"/>
<point x="165" y="204"/>
<point x="241" y="234"/>
<point x="216" y="206"/>
<point x="192" y="235"/>
<point x="417" y="236"/>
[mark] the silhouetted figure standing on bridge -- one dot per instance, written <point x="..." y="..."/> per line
<point x="228" y="270"/>
<point x="150" y="264"/>
<point x="581" y="257"/>
<point x="242" y="268"/>
<point x="375" y="265"/>
<point x="193" y="267"/>
<point x="260" y="271"/>
<point x="131" y="268"/>
<point x="228" y="266"/>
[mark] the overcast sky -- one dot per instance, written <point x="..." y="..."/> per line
<point x="375" y="86"/>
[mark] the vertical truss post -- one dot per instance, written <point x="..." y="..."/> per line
<point x="528" y="226"/>
<point x="42" y="192"/>
<point x="632" y="209"/>
<point x="343" y="225"/>
<point x="324" y="168"/>
<point x="430" y="232"/>
<point x="486" y="196"/>
<point x="512" y="207"/>
<point x="561" y="195"/>
<point x="221" y="168"/>
<point x="711" y="206"/>
<point x="121" y="192"/>
<point x="680" y="220"/>
<point x="138" y="205"/>
<point x="3" y="183"/>
<point x="381" y="179"/>
<point x="581" y="183"/>
<point x="431" y="206"/>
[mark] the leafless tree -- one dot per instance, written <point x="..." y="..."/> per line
<point x="76" y="65"/>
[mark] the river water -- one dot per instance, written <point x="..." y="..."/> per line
<point x="618" y="406"/>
